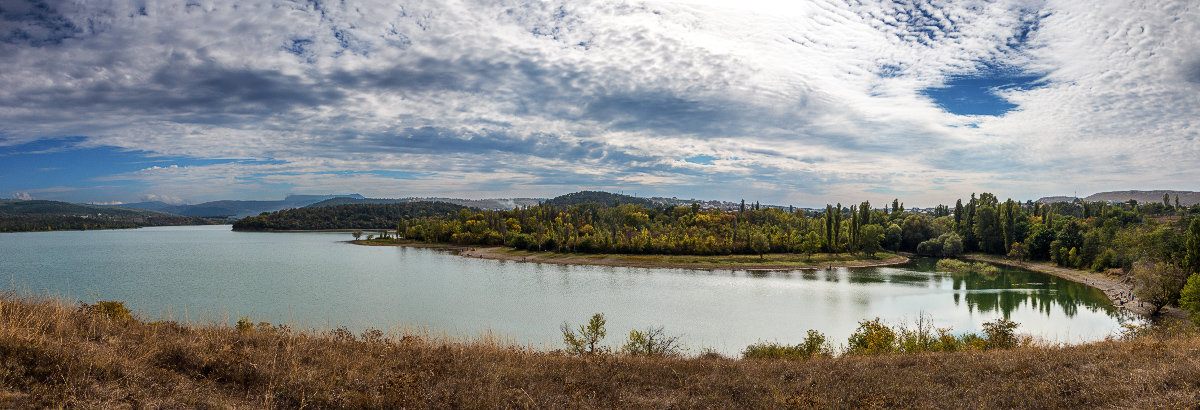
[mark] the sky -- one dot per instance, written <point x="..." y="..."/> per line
<point x="784" y="102"/>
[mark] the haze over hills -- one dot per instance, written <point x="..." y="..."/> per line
<point x="1186" y="198"/>
<point x="495" y="204"/>
<point x="236" y="208"/>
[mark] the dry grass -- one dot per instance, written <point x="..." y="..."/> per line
<point x="54" y="354"/>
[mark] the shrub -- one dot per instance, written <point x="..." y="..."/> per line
<point x="245" y="324"/>
<point x="957" y="266"/>
<point x="586" y="340"/>
<point x="1000" y="334"/>
<point x="872" y="337"/>
<point x="113" y="309"/>
<point x="651" y="342"/>
<point x="814" y="345"/>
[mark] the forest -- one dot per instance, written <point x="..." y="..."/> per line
<point x="1156" y="244"/>
<point x="347" y="216"/>
<point x="41" y="215"/>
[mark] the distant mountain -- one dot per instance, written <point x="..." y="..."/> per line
<point x="598" y="197"/>
<point x="150" y="205"/>
<point x="1186" y="198"/>
<point x="489" y="204"/>
<point x="1054" y="199"/>
<point x="235" y="208"/>
<point x="40" y="215"/>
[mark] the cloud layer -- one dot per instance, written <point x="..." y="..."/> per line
<point x="795" y="102"/>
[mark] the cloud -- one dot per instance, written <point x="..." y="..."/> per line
<point x="804" y="102"/>
<point x="22" y="196"/>
<point x="174" y="200"/>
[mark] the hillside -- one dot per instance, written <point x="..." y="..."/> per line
<point x="598" y="197"/>
<point x="42" y="215"/>
<point x="1186" y="198"/>
<point x="348" y="216"/>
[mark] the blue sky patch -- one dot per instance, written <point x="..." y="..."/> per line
<point x="700" y="159"/>
<point x="61" y="162"/>
<point x="976" y="95"/>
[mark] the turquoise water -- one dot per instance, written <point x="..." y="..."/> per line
<point x="318" y="280"/>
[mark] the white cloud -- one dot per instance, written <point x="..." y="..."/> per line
<point x="22" y="195"/>
<point x="799" y="101"/>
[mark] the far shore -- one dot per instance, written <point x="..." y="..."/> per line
<point x="1118" y="290"/>
<point x="770" y="261"/>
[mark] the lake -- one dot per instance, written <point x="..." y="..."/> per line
<point x="317" y="280"/>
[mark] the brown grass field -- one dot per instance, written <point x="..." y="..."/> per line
<point x="53" y="354"/>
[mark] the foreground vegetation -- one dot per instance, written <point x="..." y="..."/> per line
<point x="53" y="354"/>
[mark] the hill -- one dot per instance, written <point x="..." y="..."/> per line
<point x="42" y="215"/>
<point x="346" y="216"/>
<point x="1186" y="198"/>
<point x="598" y="197"/>
<point x="236" y="208"/>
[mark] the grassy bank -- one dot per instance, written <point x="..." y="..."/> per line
<point x="56" y="354"/>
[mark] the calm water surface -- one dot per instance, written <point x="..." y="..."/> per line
<point x="317" y="280"/>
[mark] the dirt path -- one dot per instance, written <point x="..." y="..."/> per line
<point x="1119" y="290"/>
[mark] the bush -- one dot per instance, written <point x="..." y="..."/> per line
<point x="1000" y="334"/>
<point x="651" y="342"/>
<point x="113" y="309"/>
<point x="245" y="324"/>
<point x="814" y="345"/>
<point x="872" y="337"/>
<point x="586" y="340"/>
<point x="957" y="266"/>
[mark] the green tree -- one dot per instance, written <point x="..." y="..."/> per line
<point x="1191" y="259"/>
<point x="1156" y="283"/>
<point x="892" y="237"/>
<point x="870" y="239"/>
<point x="958" y="215"/>
<point x="915" y="230"/>
<point x="1189" y="297"/>
<point x="1018" y="250"/>
<point x="585" y="340"/>
<point x="952" y="244"/>
<point x="811" y="244"/>
<point x="988" y="231"/>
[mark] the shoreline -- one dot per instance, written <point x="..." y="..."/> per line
<point x="1113" y="287"/>
<point x="642" y="260"/>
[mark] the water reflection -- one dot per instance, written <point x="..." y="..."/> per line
<point x="1011" y="290"/>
